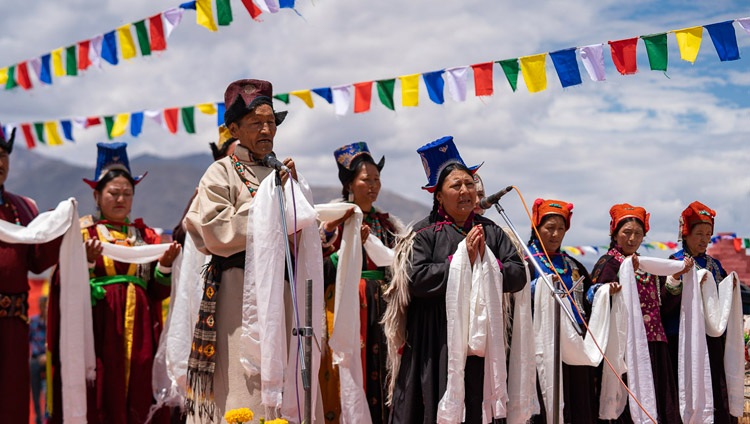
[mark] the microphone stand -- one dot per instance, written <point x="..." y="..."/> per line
<point x="557" y="293"/>
<point x="297" y="331"/>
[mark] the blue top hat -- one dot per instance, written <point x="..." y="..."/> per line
<point x="345" y="155"/>
<point x="436" y="156"/>
<point x="111" y="156"/>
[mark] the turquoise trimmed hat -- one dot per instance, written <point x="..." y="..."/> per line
<point x="345" y="155"/>
<point x="111" y="156"/>
<point x="436" y="156"/>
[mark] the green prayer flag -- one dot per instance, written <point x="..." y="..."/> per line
<point x="39" y="130"/>
<point x="284" y="97"/>
<point x="385" y="92"/>
<point x="656" y="47"/>
<point x="109" y="121"/>
<point x="188" y="119"/>
<point x="11" y="83"/>
<point x="142" y="34"/>
<point x="223" y="12"/>
<point x="511" y="69"/>
<point x="746" y="243"/>
<point x="71" y="63"/>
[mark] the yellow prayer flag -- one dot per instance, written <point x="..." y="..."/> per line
<point x="534" y="72"/>
<point x="207" y="108"/>
<point x="3" y="76"/>
<point x="120" y="125"/>
<point x="409" y="90"/>
<point x="204" y="15"/>
<point x="127" y="46"/>
<point x="305" y="96"/>
<point x="689" y="40"/>
<point x="57" y="63"/>
<point x="51" y="134"/>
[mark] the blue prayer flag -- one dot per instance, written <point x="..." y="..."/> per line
<point x="188" y="5"/>
<point x="136" y="123"/>
<point x="45" y="75"/>
<point x="435" y="83"/>
<point x="566" y="66"/>
<point x="286" y="3"/>
<point x="324" y="92"/>
<point x="67" y="130"/>
<point x="725" y="40"/>
<point x="109" y="48"/>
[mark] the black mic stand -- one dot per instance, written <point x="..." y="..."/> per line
<point x="298" y="331"/>
<point x="557" y="293"/>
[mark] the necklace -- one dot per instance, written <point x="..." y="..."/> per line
<point x="14" y="210"/>
<point x="542" y="257"/>
<point x="641" y="277"/>
<point x="241" y="172"/>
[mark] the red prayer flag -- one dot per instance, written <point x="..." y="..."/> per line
<point x="30" y="142"/>
<point x="362" y="96"/>
<point x="252" y="9"/>
<point x="156" y="31"/>
<point x="170" y="118"/>
<point x="623" y="55"/>
<point x="483" y="79"/>
<point x="22" y="78"/>
<point x="83" y="55"/>
<point x="93" y="120"/>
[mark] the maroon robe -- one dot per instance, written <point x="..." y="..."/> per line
<point x="16" y="260"/>
<point x="112" y="400"/>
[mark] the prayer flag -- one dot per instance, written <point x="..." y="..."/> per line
<point x="36" y="65"/>
<point x="189" y="5"/>
<point x="109" y="48"/>
<point x="409" y="90"/>
<point x="39" y="130"/>
<point x="109" y="122"/>
<point x="745" y="24"/>
<point x="511" y="69"/>
<point x="534" y="74"/>
<point x="173" y="17"/>
<point x="435" y="86"/>
<point x="269" y="6"/>
<point x="11" y="79"/>
<point x="71" y="66"/>
<point x="288" y="4"/>
<point x="3" y="76"/>
<point x="170" y="118"/>
<point x="67" y="130"/>
<point x="342" y="98"/>
<point x="45" y="74"/>
<point x="385" y="92"/>
<point x="83" y="55"/>
<point x="127" y="46"/>
<point x="207" y="108"/>
<point x="566" y="67"/>
<point x="120" y="125"/>
<point x="57" y="63"/>
<point x="142" y="33"/>
<point x="204" y="15"/>
<point x="23" y="76"/>
<point x="30" y="142"/>
<point x="220" y="109"/>
<point x="593" y="60"/>
<point x="456" y="79"/>
<point x="483" y="79"/>
<point x="254" y="11"/>
<point x="725" y="40"/>
<point x="95" y="53"/>
<point x="623" y="55"/>
<point x="136" y="123"/>
<point x="188" y="119"/>
<point x="156" y="115"/>
<point x="362" y="96"/>
<point x="93" y="120"/>
<point x="282" y="97"/>
<point x="324" y="92"/>
<point x="656" y="47"/>
<point x="305" y="96"/>
<point x="156" y="32"/>
<point x="223" y="12"/>
<point x="689" y="41"/>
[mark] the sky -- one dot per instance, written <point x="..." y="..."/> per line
<point x="650" y="139"/>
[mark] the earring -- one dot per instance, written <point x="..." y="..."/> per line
<point x="351" y="197"/>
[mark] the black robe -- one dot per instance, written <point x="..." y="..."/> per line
<point x="422" y="376"/>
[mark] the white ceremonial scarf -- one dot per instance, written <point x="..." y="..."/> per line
<point x="637" y="356"/>
<point x="77" y="357"/>
<point x="475" y="322"/>
<point x="523" y="401"/>
<point x="575" y="350"/>
<point x="344" y="341"/>
<point x="722" y="310"/>
<point x="265" y="260"/>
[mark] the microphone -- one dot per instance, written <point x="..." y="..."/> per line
<point x="490" y="200"/>
<point x="270" y="161"/>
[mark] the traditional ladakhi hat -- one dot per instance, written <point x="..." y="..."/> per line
<point x="345" y="156"/>
<point x="111" y="156"/>
<point x="625" y="210"/>
<point x="543" y="208"/>
<point x="7" y="144"/>
<point x="242" y="96"/>
<point x="695" y="213"/>
<point x="436" y="156"/>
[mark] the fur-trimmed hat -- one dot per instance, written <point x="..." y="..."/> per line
<point x="242" y="96"/>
